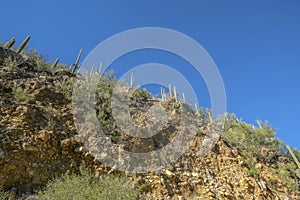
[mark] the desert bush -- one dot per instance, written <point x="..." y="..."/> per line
<point x="22" y="94"/>
<point x="104" y="91"/>
<point x="66" y="87"/>
<point x="52" y="115"/>
<point x="41" y="61"/>
<point x="87" y="186"/>
<point x="250" y="140"/>
<point x="62" y="66"/>
<point x="10" y="64"/>
<point x="287" y="174"/>
<point x="3" y="194"/>
<point x="247" y="137"/>
<point x="140" y="93"/>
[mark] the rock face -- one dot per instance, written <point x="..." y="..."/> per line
<point x="38" y="142"/>
<point x="32" y="131"/>
<point x="20" y="60"/>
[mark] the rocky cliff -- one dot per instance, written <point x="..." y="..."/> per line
<point x="38" y="142"/>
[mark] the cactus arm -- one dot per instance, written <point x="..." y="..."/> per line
<point x="293" y="155"/>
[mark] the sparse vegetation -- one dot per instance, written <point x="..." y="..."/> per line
<point x="40" y="61"/>
<point x="87" y="186"/>
<point x="66" y="87"/>
<point x="51" y="114"/>
<point x="139" y="92"/>
<point x="3" y="194"/>
<point x="286" y="173"/>
<point x="251" y="141"/>
<point x="103" y="98"/>
<point x="254" y="144"/>
<point x="62" y="66"/>
<point x="22" y="94"/>
<point x="10" y="64"/>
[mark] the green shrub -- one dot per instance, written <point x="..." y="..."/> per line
<point x="22" y="94"/>
<point x="41" y="61"/>
<point x="104" y="92"/>
<point x="3" y="194"/>
<point x="10" y="64"/>
<point x="66" y="87"/>
<point x="250" y="140"/>
<point x="140" y="93"/>
<point x="62" y="66"/>
<point x="87" y="186"/>
<point x="287" y="174"/>
<point x="52" y="115"/>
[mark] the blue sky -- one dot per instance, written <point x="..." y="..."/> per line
<point x="256" y="45"/>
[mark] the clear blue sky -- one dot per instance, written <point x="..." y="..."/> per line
<point x="256" y="45"/>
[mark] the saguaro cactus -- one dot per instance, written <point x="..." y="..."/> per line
<point x="175" y="94"/>
<point x="196" y="108"/>
<point x="293" y="155"/>
<point x="163" y="94"/>
<point x="100" y="68"/>
<point x="208" y="114"/>
<point x="259" y="124"/>
<point x="131" y="81"/>
<point x="170" y="91"/>
<point x="55" y="63"/>
<point x="183" y="98"/>
<point x="23" y="44"/>
<point x="75" y="65"/>
<point x="10" y="43"/>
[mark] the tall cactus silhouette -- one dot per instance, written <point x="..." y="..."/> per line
<point x="55" y="63"/>
<point x="10" y="43"/>
<point x="23" y="44"/>
<point x="170" y="91"/>
<point x="76" y="66"/>
<point x="131" y="81"/>
<point x="294" y="156"/>
<point x="175" y="94"/>
<point x="183" y="98"/>
<point x="163" y="94"/>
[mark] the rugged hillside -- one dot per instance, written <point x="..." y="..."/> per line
<point x="39" y="141"/>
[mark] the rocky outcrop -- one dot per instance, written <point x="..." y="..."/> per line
<point x="38" y="142"/>
<point x="19" y="60"/>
